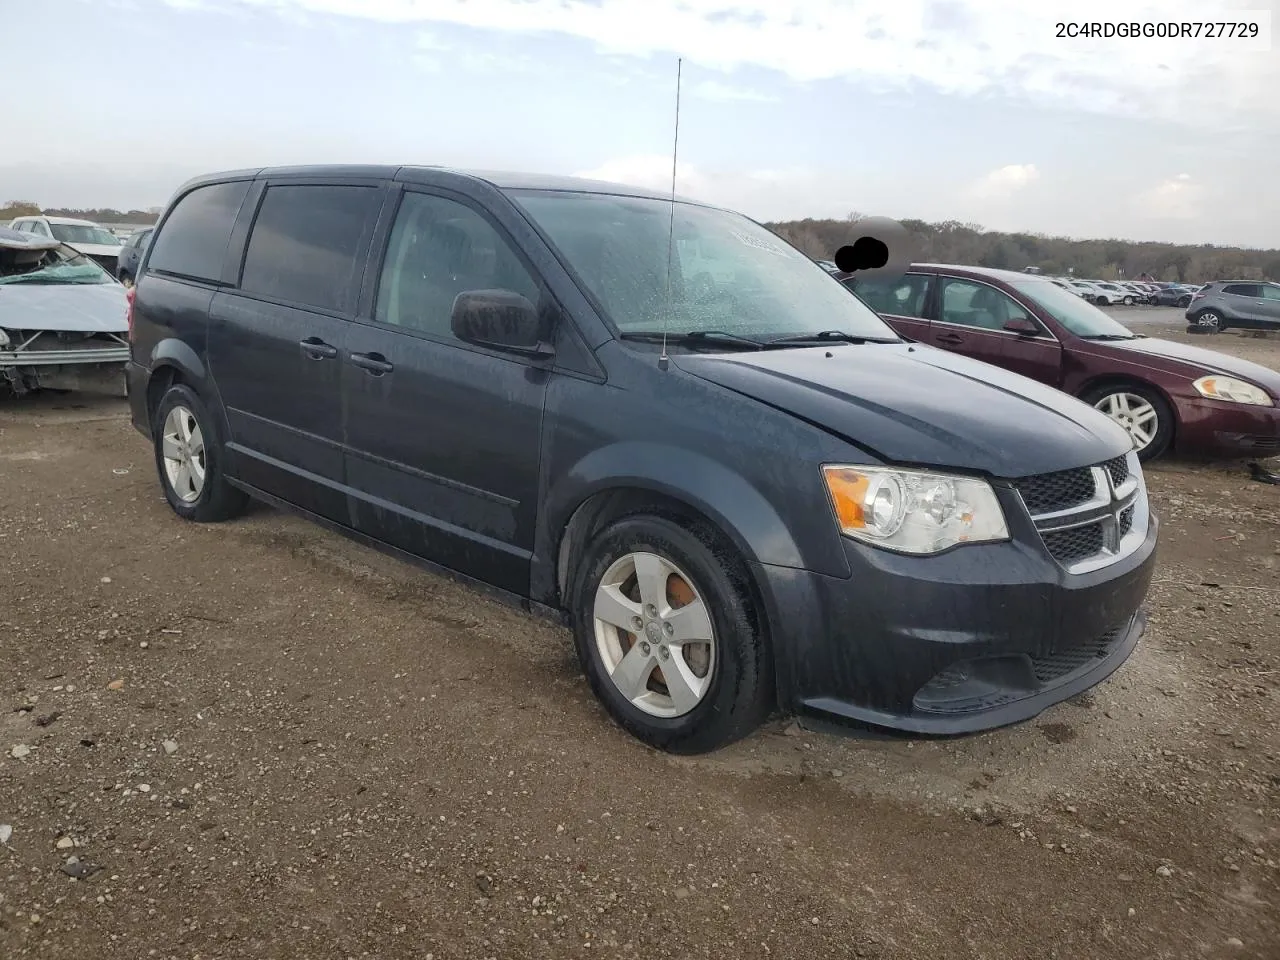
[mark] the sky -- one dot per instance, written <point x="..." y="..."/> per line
<point x="970" y="110"/>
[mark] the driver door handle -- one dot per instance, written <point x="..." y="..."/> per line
<point x="952" y="338"/>
<point x="374" y="363"/>
<point x="317" y="349"/>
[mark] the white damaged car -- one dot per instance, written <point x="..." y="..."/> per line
<point x="63" y="318"/>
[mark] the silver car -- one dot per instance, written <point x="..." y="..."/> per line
<point x="1247" y="304"/>
<point x="63" y="319"/>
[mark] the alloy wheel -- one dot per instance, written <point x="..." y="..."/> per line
<point x="1138" y="417"/>
<point x="654" y="635"/>
<point x="184" y="454"/>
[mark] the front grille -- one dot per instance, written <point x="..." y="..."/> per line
<point x="1057" y="491"/>
<point x="1078" y="543"/>
<point x="1082" y="515"/>
<point x="1119" y="469"/>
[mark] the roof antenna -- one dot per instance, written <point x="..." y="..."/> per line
<point x="671" y="227"/>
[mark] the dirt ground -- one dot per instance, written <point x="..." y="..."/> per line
<point x="261" y="740"/>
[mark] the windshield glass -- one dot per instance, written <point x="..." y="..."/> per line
<point x="80" y="233"/>
<point x="1079" y="316"/>
<point x="59" y="265"/>
<point x="728" y="274"/>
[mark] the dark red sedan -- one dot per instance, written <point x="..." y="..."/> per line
<point x="1165" y="394"/>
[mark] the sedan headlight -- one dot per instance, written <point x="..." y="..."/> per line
<point x="1232" y="390"/>
<point x="913" y="511"/>
<point x="4" y="339"/>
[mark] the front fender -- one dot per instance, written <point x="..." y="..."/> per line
<point x="726" y="498"/>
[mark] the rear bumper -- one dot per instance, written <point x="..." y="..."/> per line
<point x="977" y="638"/>
<point x="136" y="377"/>
<point x="1215" y="428"/>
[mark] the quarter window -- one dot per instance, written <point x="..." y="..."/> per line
<point x="970" y="304"/>
<point x="193" y="240"/>
<point x="306" y="242"/>
<point x="438" y="249"/>
<point x="904" y="297"/>
<point x="1270" y="292"/>
<point x="1242" y="290"/>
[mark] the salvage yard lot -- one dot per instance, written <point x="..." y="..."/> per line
<point x="367" y="760"/>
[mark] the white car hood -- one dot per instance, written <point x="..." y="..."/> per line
<point x="82" y="307"/>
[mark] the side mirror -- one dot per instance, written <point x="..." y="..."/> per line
<point x="500" y="320"/>
<point x="1022" y="327"/>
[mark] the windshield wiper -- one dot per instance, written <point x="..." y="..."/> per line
<point x="1109" y="336"/>
<point x="826" y="336"/>
<point x="710" y="337"/>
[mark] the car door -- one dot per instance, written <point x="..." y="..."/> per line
<point x="1242" y="304"/>
<point x="970" y="319"/>
<point x="276" y="343"/>
<point x="903" y="303"/>
<point x="444" y="437"/>
<point x="1268" y="306"/>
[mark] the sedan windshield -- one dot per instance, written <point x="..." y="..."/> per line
<point x="83" y="233"/>
<point x="60" y="265"/>
<point x="728" y="275"/>
<point x="1079" y="316"/>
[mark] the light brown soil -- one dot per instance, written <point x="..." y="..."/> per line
<point x="374" y="762"/>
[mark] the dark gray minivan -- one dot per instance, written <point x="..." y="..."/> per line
<point x="654" y="420"/>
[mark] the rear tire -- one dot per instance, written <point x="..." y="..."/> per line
<point x="189" y="459"/>
<point x="1137" y="399"/>
<point x="627" y="663"/>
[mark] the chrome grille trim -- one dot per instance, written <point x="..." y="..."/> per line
<point x="1119" y="512"/>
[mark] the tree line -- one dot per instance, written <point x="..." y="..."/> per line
<point x="968" y="243"/>
<point x="105" y="215"/>
<point x="949" y="241"/>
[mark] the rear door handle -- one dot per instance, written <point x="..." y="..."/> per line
<point x="950" y="338"/>
<point x="317" y="349"/>
<point x="375" y="363"/>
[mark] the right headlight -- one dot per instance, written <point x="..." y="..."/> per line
<point x="1232" y="390"/>
<point x="913" y="511"/>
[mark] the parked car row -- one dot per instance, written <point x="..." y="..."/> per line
<point x="1127" y="292"/>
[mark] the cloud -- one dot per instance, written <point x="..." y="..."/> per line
<point x="1177" y="198"/>
<point x="1004" y="182"/>
<point x="982" y="46"/>
<point x="724" y="92"/>
<point x="652" y="172"/>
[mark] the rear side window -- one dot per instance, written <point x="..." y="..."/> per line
<point x="306" y="242"/>
<point x="1242" y="289"/>
<point x="903" y="297"/>
<point x="193" y="240"/>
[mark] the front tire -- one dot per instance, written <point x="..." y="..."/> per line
<point x="1145" y="415"/>
<point x="1128" y="301"/>
<point x="668" y="636"/>
<point x="189" y="459"/>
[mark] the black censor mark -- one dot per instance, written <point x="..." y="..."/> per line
<point x="1170" y="29"/>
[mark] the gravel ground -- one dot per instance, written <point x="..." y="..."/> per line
<point x="262" y="740"/>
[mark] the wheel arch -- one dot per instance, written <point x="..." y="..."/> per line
<point x="606" y="506"/>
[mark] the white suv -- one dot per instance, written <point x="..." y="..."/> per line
<point x="91" y="239"/>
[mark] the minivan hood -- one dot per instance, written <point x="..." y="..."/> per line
<point x="913" y="404"/>
<point x="1209" y="361"/>
<point x="81" y="307"/>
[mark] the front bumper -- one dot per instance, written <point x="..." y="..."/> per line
<point x="979" y="637"/>
<point x="1219" y="429"/>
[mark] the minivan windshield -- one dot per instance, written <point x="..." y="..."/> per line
<point x="83" y="233"/>
<point x="729" y="278"/>
<point x="1077" y="315"/>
